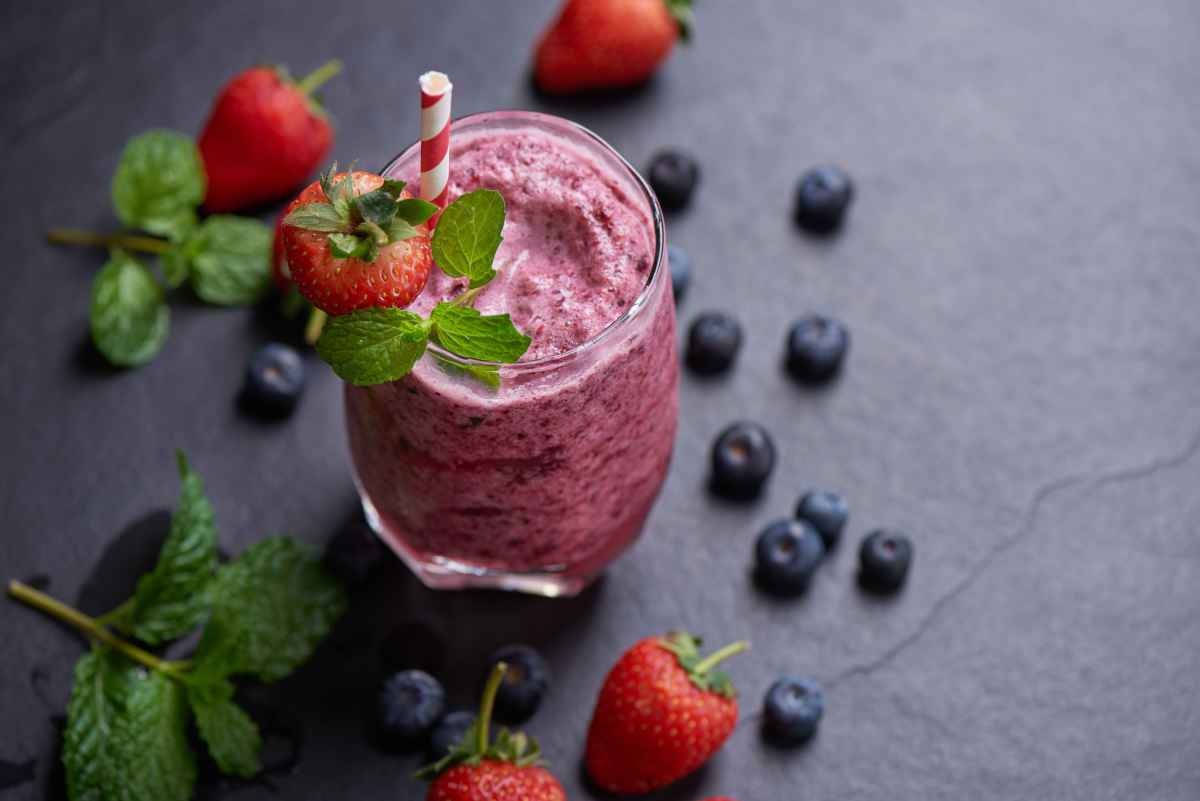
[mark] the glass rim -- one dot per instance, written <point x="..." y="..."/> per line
<point x="619" y="322"/>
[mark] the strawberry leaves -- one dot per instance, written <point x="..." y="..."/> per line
<point x="686" y="648"/>
<point x="359" y="225"/>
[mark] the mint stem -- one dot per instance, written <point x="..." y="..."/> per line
<point x="316" y="324"/>
<point x="311" y="82"/>
<point x="143" y="244"/>
<point x="485" y="707"/>
<point x="709" y="662"/>
<point x="91" y="627"/>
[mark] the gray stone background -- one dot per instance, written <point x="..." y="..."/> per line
<point x="1020" y="276"/>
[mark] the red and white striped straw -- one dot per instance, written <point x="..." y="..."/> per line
<point x="435" y="136"/>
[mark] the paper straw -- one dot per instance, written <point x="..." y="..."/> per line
<point x="435" y="136"/>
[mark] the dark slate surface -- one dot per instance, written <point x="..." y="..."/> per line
<point x="1023" y="394"/>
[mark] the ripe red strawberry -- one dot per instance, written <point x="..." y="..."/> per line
<point x="264" y="137"/>
<point x="662" y="713"/>
<point x="480" y="770"/>
<point x="280" y="273"/>
<point x="608" y="44"/>
<point x="358" y="242"/>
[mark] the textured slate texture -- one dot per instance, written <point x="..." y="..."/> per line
<point x="1020" y="275"/>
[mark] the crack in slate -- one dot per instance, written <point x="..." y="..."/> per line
<point x="1043" y="494"/>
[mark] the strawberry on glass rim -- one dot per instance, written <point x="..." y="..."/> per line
<point x="354" y="240"/>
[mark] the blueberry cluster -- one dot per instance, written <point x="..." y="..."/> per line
<point x="412" y="712"/>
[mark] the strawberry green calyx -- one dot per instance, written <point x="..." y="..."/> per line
<point x="358" y="225"/>
<point x="476" y="744"/>
<point x="681" y="10"/>
<point x="686" y="648"/>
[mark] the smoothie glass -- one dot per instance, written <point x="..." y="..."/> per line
<point x="535" y="485"/>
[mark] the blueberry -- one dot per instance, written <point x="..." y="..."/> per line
<point x="743" y="456"/>
<point x="713" y="343"/>
<point x="410" y="705"/>
<point x="792" y="709"/>
<point x="673" y="177"/>
<point x="786" y="556"/>
<point x="822" y="198"/>
<point x="449" y="732"/>
<point x="826" y="512"/>
<point x="524" y="684"/>
<point x="816" y="347"/>
<point x="681" y="269"/>
<point x="354" y="553"/>
<point x="274" y="380"/>
<point x="883" y="560"/>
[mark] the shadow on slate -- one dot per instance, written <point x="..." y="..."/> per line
<point x="132" y="553"/>
<point x="90" y="363"/>
<point x="686" y="788"/>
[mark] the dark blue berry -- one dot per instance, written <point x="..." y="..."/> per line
<point x="884" y="559"/>
<point x="816" y="347"/>
<point x="743" y="456"/>
<point x="681" y="269"/>
<point x="673" y="177"/>
<point x="524" y="683"/>
<point x="410" y="705"/>
<point x="274" y="380"/>
<point x="354" y="553"/>
<point x="786" y="556"/>
<point x="826" y="512"/>
<point x="792" y="710"/>
<point x="713" y="343"/>
<point x="448" y="733"/>
<point x="822" y="198"/>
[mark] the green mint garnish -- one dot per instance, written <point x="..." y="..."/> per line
<point x="263" y="614"/>
<point x="228" y="259"/>
<point x="490" y="338"/>
<point x="468" y="235"/>
<point x="374" y="346"/>
<point x="159" y="183"/>
<point x="359" y="225"/>
<point x="129" y="316"/>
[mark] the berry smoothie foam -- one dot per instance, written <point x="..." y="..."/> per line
<point x="538" y="484"/>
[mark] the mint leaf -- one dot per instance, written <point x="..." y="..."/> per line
<point x="176" y="263"/>
<point x="126" y="735"/>
<point x="488" y="374"/>
<point x="466" y="332"/>
<point x="173" y="599"/>
<point x="415" y="211"/>
<point x="159" y="183"/>
<point x="317" y="217"/>
<point x="231" y="735"/>
<point x="378" y="207"/>
<point x="129" y="317"/>
<point x="271" y="606"/>
<point x="468" y="234"/>
<point x="373" y="346"/>
<point x="230" y="260"/>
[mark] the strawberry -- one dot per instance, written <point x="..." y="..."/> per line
<point x="264" y="137"/>
<point x="662" y="712"/>
<point x="479" y="770"/>
<point x="280" y="273"/>
<point x="608" y="44"/>
<point x="355" y="241"/>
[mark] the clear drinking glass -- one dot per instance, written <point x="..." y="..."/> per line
<point x="538" y="484"/>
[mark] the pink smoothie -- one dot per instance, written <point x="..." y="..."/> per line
<point x="554" y="472"/>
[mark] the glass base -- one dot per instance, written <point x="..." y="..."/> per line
<point x="441" y="573"/>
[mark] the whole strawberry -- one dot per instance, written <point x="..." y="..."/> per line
<point x="355" y="241"/>
<point x="608" y="44"/>
<point x="479" y="770"/>
<point x="265" y="136"/>
<point x="662" y="713"/>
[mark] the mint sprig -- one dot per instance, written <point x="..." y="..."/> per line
<point x="374" y="346"/>
<point x="158" y="187"/>
<point x="357" y="226"/>
<point x="126" y="734"/>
